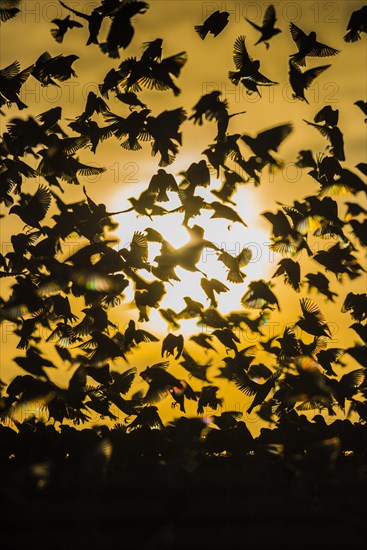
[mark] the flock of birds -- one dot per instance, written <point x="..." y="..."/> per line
<point x="300" y="375"/>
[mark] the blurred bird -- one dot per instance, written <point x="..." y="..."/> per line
<point x="226" y="212"/>
<point x="169" y="315"/>
<point x="161" y="382"/>
<point x="227" y="338"/>
<point x="171" y="343"/>
<point x="268" y="140"/>
<point x="291" y="271"/>
<point x="194" y="368"/>
<point x="234" y="264"/>
<point x="62" y="26"/>
<point x="356" y="306"/>
<point x="321" y="283"/>
<point x="147" y="417"/>
<point x="247" y="68"/>
<point x="160" y="183"/>
<point x="308" y="46"/>
<point x="192" y="309"/>
<point x="259" y="296"/>
<point x="356" y="25"/>
<point x="8" y="9"/>
<point x="300" y="81"/>
<point x="34" y="208"/>
<point x="208" y="106"/>
<point x="313" y="322"/>
<point x="203" y="340"/>
<point x="212" y="286"/>
<point x="208" y="398"/>
<point x="130" y="99"/>
<point x="267" y="29"/>
<point x="214" y="24"/>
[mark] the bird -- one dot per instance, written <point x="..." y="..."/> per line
<point x="165" y="135"/>
<point x="321" y="283"/>
<point x="212" y="287"/>
<point x="171" y="343"/>
<point x="259" y="296"/>
<point x="203" y="340"/>
<point x="226" y="212"/>
<point x="300" y="81"/>
<point x="11" y="81"/>
<point x="208" y="398"/>
<point x="313" y="322"/>
<point x="227" y="338"/>
<point x="356" y="25"/>
<point x="308" y="46"/>
<point x="209" y="106"/>
<point x="130" y="99"/>
<point x="46" y="68"/>
<point x="356" y="306"/>
<point x="62" y="26"/>
<point x="194" y="368"/>
<point x="213" y="24"/>
<point x="234" y="263"/>
<point x="95" y="19"/>
<point x="34" y="208"/>
<point x="247" y="68"/>
<point x="268" y="140"/>
<point x="291" y="271"/>
<point x="267" y="29"/>
<point x="334" y="136"/>
<point x="121" y="30"/>
<point x="160" y="382"/>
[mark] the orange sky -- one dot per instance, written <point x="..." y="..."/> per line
<point x="128" y="172"/>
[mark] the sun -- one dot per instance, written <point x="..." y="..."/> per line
<point x="228" y="236"/>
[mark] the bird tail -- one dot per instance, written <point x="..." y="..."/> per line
<point x="201" y="30"/>
<point x="352" y="36"/>
<point x="20" y="104"/>
<point x="234" y="77"/>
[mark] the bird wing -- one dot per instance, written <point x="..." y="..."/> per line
<point x="311" y="74"/>
<point x="122" y="382"/>
<point x="40" y="202"/>
<point x="297" y="34"/>
<point x="274" y="136"/>
<point x="78" y="13"/>
<point x="11" y="70"/>
<point x="269" y="17"/>
<point x="240" y="55"/>
<point x="322" y="50"/>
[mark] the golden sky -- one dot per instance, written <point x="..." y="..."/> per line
<point x="128" y="172"/>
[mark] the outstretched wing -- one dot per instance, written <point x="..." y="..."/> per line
<point x="240" y="55"/>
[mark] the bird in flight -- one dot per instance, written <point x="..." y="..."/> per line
<point x="267" y="29"/>
<point x="247" y="68"/>
<point x="300" y="81"/>
<point x="356" y="25"/>
<point x="62" y="26"/>
<point x="214" y="24"/>
<point x="308" y="46"/>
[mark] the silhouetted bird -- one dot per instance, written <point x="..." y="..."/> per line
<point x="46" y="68"/>
<point x="8" y="9"/>
<point x="356" y="305"/>
<point x="259" y="296"/>
<point x="214" y="24"/>
<point x="308" y="46"/>
<point x="247" y="68"/>
<point x="170" y="316"/>
<point x="191" y="310"/>
<point x="62" y="26"/>
<point x="134" y="127"/>
<point x="328" y="115"/>
<point x="203" y="340"/>
<point x="11" y="81"/>
<point x="130" y="99"/>
<point x="212" y="286"/>
<point x="291" y="271"/>
<point x="234" y="264"/>
<point x="161" y="382"/>
<point x="34" y="362"/>
<point x="334" y="136"/>
<point x="95" y="19"/>
<point x="227" y="338"/>
<point x="356" y="25"/>
<point x="300" y="81"/>
<point x="267" y="29"/>
<point x="363" y="106"/>
<point x="268" y="140"/>
<point x="194" y="368"/>
<point x="160" y="183"/>
<point x="251" y="387"/>
<point x="226" y="212"/>
<point x="164" y="131"/>
<point x="147" y="417"/>
<point x="208" y="398"/>
<point x="210" y="106"/>
<point x="326" y="357"/>
<point x="313" y="322"/>
<point x="121" y="31"/>
<point x="321" y="283"/>
<point x="34" y="208"/>
<point x="171" y="343"/>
